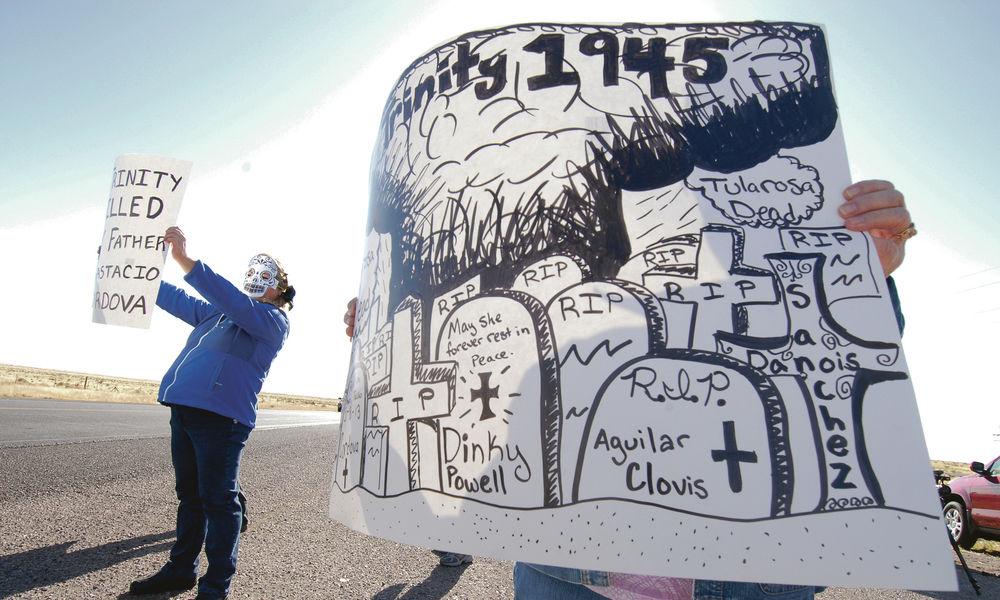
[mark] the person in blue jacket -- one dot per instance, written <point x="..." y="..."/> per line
<point x="211" y="389"/>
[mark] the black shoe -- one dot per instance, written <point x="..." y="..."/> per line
<point x="244" y="524"/>
<point x="202" y="596"/>
<point x="161" y="582"/>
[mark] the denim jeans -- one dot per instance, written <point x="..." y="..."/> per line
<point x="206" y="450"/>
<point x="537" y="582"/>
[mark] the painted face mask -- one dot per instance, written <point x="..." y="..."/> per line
<point x="261" y="274"/>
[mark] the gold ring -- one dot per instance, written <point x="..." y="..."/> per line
<point x="905" y="233"/>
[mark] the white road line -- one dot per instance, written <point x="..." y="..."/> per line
<point x="290" y="425"/>
<point x="114" y="410"/>
<point x="76" y="440"/>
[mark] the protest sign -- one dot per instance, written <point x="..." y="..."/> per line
<point x="145" y="198"/>
<point x="611" y="319"/>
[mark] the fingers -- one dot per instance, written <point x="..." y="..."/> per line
<point x="878" y="208"/>
<point x="866" y="187"/>
<point x="174" y="235"/>
<point x="879" y="222"/>
<point x="349" y="317"/>
<point x="875" y="206"/>
<point x="871" y="201"/>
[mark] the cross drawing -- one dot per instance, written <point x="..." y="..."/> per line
<point x="733" y="456"/>
<point x="485" y="393"/>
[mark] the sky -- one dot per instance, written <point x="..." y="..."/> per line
<point x="278" y="105"/>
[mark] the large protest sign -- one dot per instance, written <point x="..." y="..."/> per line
<point x="611" y="319"/>
<point x="145" y="198"/>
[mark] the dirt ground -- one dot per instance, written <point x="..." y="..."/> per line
<point x="29" y="382"/>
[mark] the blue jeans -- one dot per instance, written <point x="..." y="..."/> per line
<point x="536" y="582"/>
<point x="206" y="448"/>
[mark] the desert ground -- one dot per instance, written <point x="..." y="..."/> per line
<point x="30" y="382"/>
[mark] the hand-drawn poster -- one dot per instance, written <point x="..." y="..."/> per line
<point x="145" y="199"/>
<point x="611" y="320"/>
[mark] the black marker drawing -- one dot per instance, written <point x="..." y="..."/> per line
<point x="605" y="276"/>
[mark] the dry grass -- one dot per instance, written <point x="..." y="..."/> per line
<point x="951" y="469"/>
<point x="28" y="382"/>
<point x="987" y="547"/>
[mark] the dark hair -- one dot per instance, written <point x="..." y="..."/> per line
<point x="287" y="295"/>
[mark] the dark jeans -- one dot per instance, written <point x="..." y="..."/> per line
<point x="206" y="449"/>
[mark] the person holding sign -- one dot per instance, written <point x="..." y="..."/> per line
<point x="874" y="207"/>
<point x="211" y="389"/>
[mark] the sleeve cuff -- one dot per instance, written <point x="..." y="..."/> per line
<point x="196" y="272"/>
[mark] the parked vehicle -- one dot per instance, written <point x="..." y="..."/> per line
<point x="972" y="504"/>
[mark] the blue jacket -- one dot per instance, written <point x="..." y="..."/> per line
<point x="227" y="356"/>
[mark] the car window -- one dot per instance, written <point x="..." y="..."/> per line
<point x="995" y="468"/>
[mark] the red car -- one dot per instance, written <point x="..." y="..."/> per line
<point x="972" y="504"/>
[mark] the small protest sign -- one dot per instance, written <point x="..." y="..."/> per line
<point x="145" y="198"/>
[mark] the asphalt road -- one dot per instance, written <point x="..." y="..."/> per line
<point x="87" y="505"/>
<point x="40" y="422"/>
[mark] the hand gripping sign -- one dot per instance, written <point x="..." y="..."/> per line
<point x="611" y="320"/>
<point x="145" y="199"/>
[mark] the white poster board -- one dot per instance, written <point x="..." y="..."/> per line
<point x="611" y="320"/>
<point x="145" y="199"/>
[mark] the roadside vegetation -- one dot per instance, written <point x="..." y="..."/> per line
<point x="32" y="383"/>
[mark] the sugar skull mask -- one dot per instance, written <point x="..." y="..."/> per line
<point x="261" y="275"/>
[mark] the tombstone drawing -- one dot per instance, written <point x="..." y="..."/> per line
<point x="848" y="272"/>
<point x="663" y="227"/>
<point x="600" y="326"/>
<point x="347" y="462"/>
<point x="501" y="441"/>
<point x="677" y="256"/>
<point x="375" y="459"/>
<point x="703" y="434"/>
<point x="717" y="291"/>
<point x="837" y="367"/>
<point x="376" y="353"/>
<point x="416" y="391"/>
<point x="545" y="278"/>
<point x="446" y="302"/>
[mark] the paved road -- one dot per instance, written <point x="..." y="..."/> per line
<point x="40" y="422"/>
<point x="80" y="519"/>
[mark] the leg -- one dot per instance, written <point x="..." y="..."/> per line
<point x="190" y="515"/>
<point x="532" y="584"/>
<point x="219" y="443"/>
<point x="736" y="590"/>
<point x="181" y="570"/>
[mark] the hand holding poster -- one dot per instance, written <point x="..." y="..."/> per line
<point x="610" y="318"/>
<point x="145" y="198"/>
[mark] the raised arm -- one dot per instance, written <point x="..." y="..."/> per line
<point x="181" y="305"/>
<point x="260" y="320"/>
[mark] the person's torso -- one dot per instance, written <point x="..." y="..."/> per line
<point x="220" y="369"/>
